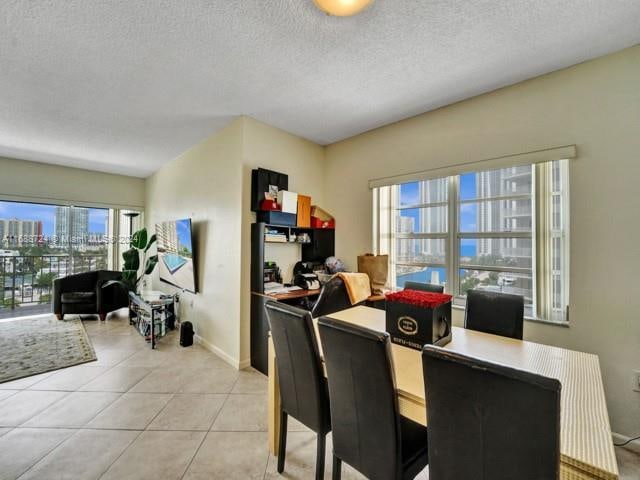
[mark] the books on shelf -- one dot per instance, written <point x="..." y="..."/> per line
<point x="275" y="237"/>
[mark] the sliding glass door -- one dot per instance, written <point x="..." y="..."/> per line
<point x="39" y="243"/>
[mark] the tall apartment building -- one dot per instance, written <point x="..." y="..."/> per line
<point x="508" y="215"/>
<point x="434" y="219"/>
<point x="19" y="233"/>
<point x="79" y="227"/>
<point x="167" y="234"/>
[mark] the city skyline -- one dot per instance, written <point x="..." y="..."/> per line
<point x="97" y="217"/>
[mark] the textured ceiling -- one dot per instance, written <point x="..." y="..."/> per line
<point x="126" y="85"/>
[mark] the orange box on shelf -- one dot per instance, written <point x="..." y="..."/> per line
<point x="321" y="218"/>
<point x="304" y="211"/>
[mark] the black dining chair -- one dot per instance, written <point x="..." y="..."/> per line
<point x="495" y="312"/>
<point x="333" y="298"/>
<point x="368" y="432"/>
<point x="489" y="421"/>
<point x="424" y="287"/>
<point x="303" y="388"/>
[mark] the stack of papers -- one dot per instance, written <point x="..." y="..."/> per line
<point x="271" y="288"/>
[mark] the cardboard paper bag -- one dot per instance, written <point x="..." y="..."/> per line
<point x="377" y="267"/>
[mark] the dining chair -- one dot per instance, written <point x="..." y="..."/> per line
<point x="303" y="388"/>
<point x="489" y="421"/>
<point x="495" y="312"/>
<point x="424" y="287"/>
<point x="368" y="432"/>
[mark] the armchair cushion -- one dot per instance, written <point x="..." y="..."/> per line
<point x="79" y="297"/>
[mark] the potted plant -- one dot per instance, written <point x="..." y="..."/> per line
<point x="140" y="245"/>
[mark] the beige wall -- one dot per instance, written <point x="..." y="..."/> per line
<point x="268" y="147"/>
<point x="211" y="183"/>
<point x="595" y="105"/>
<point x="38" y="182"/>
<point x="205" y="184"/>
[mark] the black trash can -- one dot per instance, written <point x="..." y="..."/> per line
<point x="186" y="334"/>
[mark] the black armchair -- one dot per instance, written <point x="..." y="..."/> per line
<point x="82" y="293"/>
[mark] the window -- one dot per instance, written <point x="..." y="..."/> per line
<point x="41" y="242"/>
<point x="504" y="230"/>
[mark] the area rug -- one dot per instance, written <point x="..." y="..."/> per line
<point x="30" y="346"/>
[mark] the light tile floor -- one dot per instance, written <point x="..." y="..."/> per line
<point x="172" y="413"/>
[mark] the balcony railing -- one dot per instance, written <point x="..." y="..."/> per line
<point x="26" y="282"/>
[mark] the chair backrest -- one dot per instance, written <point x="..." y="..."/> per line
<point x="364" y="407"/>
<point x="424" y="287"/>
<point x="303" y="389"/>
<point x="333" y="298"/>
<point x="495" y="312"/>
<point x="488" y="421"/>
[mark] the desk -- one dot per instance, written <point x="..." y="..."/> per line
<point x="292" y="295"/>
<point x="586" y="446"/>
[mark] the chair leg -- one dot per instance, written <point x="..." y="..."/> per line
<point x="60" y="316"/>
<point x="103" y="316"/>
<point x="322" y="442"/>
<point x="337" y="468"/>
<point x="282" y="441"/>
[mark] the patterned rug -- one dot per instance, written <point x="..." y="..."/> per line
<point x="36" y="345"/>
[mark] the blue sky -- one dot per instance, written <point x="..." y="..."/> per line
<point x="183" y="228"/>
<point x="47" y="214"/>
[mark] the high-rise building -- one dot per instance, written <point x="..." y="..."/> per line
<point x="507" y="215"/>
<point x="433" y="219"/>
<point x="405" y="248"/>
<point x="79" y="227"/>
<point x="20" y="233"/>
<point x="167" y="235"/>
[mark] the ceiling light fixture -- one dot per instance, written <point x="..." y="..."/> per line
<point x="342" y="8"/>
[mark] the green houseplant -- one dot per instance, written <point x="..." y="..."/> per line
<point x="140" y="244"/>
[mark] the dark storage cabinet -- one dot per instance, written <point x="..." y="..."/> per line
<point x="320" y="247"/>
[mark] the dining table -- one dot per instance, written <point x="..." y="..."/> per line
<point x="586" y="445"/>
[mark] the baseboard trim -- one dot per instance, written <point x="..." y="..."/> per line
<point x="246" y="363"/>
<point x="219" y="352"/>
<point x="633" y="446"/>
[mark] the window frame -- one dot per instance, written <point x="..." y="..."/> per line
<point x="454" y="235"/>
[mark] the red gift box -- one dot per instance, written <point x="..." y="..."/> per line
<point x="269" y="205"/>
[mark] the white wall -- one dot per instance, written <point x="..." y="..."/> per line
<point x="25" y="181"/>
<point x="205" y="184"/>
<point x="595" y="105"/>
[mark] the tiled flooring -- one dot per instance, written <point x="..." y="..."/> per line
<point x="172" y="413"/>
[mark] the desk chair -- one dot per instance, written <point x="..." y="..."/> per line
<point x="488" y="421"/>
<point x="333" y="298"/>
<point x="303" y="388"/>
<point x="424" y="287"/>
<point x="494" y="312"/>
<point x="368" y="432"/>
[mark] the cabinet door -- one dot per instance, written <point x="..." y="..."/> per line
<point x="322" y="246"/>
<point x="259" y="334"/>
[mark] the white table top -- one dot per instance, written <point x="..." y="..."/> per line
<point x="585" y="435"/>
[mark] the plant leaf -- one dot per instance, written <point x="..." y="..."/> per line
<point x="139" y="239"/>
<point x="131" y="259"/>
<point x="151" y="264"/>
<point x="152" y="240"/>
